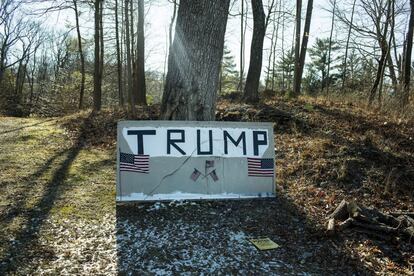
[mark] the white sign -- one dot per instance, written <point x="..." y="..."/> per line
<point x="202" y="141"/>
<point x="170" y="160"/>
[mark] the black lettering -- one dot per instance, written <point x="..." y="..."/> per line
<point x="172" y="142"/>
<point x="140" y="140"/>
<point x="236" y="143"/>
<point x="210" y="140"/>
<point x="257" y="142"/>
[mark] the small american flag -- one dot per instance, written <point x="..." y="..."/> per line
<point x="134" y="163"/>
<point x="194" y="176"/>
<point x="260" y="167"/>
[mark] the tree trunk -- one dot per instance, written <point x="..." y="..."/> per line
<point x="275" y="44"/>
<point x="347" y="46"/>
<point x="101" y="66"/>
<point x="283" y="48"/>
<point x="378" y="77"/>
<point x="390" y="62"/>
<point x="118" y="57"/>
<point x="140" y="87"/>
<point x="407" y="58"/>
<point x="129" y="60"/>
<point x="382" y="40"/>
<point x="296" y="80"/>
<point x="81" y="56"/>
<point x="97" y="89"/>
<point x="194" y="60"/>
<point x="304" y="45"/>
<point x="131" y="20"/>
<point x="251" y="90"/>
<point x="242" y="30"/>
<point x="328" y="81"/>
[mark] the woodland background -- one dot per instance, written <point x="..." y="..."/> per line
<point x="97" y="57"/>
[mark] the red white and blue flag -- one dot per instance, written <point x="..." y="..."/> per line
<point x="133" y="163"/>
<point x="260" y="167"/>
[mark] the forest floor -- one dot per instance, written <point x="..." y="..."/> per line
<point x="58" y="213"/>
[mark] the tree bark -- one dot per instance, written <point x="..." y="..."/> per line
<point x="251" y="89"/>
<point x="390" y="62"/>
<point x="382" y="40"/>
<point x="243" y="25"/>
<point x="304" y="46"/>
<point x="296" y="80"/>
<point x="140" y="86"/>
<point x="97" y="89"/>
<point x="347" y="46"/>
<point x="194" y="60"/>
<point x="118" y="57"/>
<point x="81" y="55"/>
<point x="328" y="80"/>
<point x="407" y="59"/>
<point x="129" y="60"/>
<point x="101" y="66"/>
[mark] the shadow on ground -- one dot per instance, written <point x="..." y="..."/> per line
<point x="24" y="248"/>
<point x="212" y="237"/>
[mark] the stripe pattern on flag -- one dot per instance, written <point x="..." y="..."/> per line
<point x="134" y="163"/>
<point x="260" y="167"/>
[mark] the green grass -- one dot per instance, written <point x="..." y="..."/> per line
<point x="46" y="175"/>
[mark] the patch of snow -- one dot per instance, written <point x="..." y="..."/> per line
<point x="190" y="196"/>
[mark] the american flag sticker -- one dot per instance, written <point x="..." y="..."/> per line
<point x="195" y="175"/>
<point x="213" y="175"/>
<point x="260" y="167"/>
<point x="133" y="163"/>
<point x="209" y="163"/>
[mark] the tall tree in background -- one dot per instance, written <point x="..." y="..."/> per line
<point x="129" y="59"/>
<point x="407" y="58"/>
<point x="382" y="32"/>
<point x="243" y="27"/>
<point x="273" y="45"/>
<point x="251" y="93"/>
<point x="303" y="47"/>
<point x="118" y="56"/>
<point x="97" y="76"/>
<point x="330" y="45"/>
<point x="139" y="80"/>
<point x="194" y="60"/>
<point x="81" y="55"/>
<point x="296" y="79"/>
<point x="344" y="73"/>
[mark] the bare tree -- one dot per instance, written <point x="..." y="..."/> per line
<point x="81" y="55"/>
<point x="98" y="38"/>
<point x="251" y="94"/>
<point x="118" y="56"/>
<point x="139" y="80"/>
<point x="243" y="27"/>
<point x="407" y="58"/>
<point x="344" y="74"/>
<point x="10" y="35"/>
<point x="297" y="80"/>
<point x="330" y="47"/>
<point x="129" y="58"/>
<point x="303" y="48"/>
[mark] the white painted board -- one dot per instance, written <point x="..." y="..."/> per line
<point x="174" y="160"/>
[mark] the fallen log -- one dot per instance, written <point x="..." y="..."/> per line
<point x="345" y="224"/>
<point x="341" y="212"/>
<point x="370" y="221"/>
<point x="331" y="226"/>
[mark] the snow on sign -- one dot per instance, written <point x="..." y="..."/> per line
<point x="170" y="160"/>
